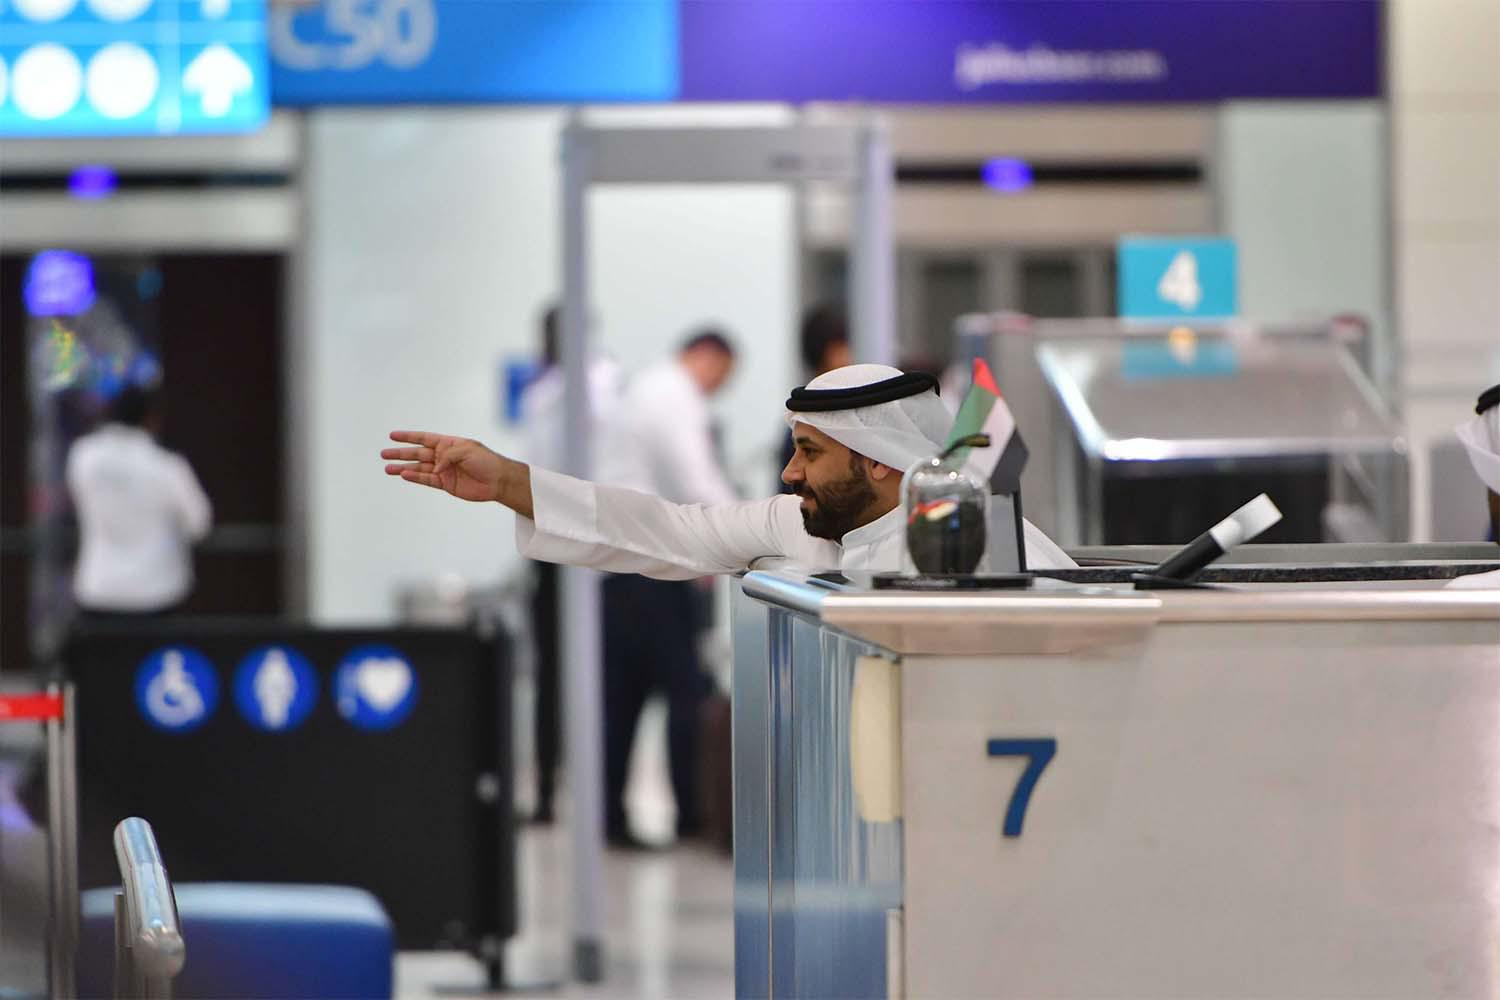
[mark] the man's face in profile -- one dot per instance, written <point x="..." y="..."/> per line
<point x="837" y="495"/>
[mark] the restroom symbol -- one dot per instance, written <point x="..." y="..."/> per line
<point x="275" y="688"/>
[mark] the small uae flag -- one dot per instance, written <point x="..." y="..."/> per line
<point x="984" y="412"/>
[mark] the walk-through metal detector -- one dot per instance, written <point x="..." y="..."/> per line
<point x="858" y="155"/>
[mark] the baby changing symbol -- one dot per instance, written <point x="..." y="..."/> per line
<point x="275" y="688"/>
<point x="176" y="689"/>
<point x="376" y="687"/>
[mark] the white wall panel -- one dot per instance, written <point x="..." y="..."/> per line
<point x="1445" y="85"/>
<point x="431" y="248"/>
<point x="1447" y="47"/>
<point x="1449" y="164"/>
<point x="1304" y="195"/>
<point x="1452" y="289"/>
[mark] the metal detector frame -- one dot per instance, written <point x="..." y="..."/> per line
<point x="858" y="155"/>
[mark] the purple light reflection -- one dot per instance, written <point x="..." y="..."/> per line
<point x="59" y="283"/>
<point x="92" y="182"/>
<point x="1007" y="175"/>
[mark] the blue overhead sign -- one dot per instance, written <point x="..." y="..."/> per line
<point x="1022" y="51"/>
<point x="474" y="51"/>
<point x="903" y="51"/>
<point x="132" y="67"/>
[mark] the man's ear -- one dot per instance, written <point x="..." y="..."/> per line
<point x="880" y="472"/>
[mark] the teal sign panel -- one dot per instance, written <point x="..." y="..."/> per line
<point x="1174" y="278"/>
<point x="132" y="67"/>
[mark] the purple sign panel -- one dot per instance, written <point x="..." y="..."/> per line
<point x="1003" y="51"/>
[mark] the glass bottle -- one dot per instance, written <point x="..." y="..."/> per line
<point x="947" y="512"/>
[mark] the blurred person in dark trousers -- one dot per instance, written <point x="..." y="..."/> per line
<point x="824" y="343"/>
<point x="140" y="508"/>
<point x="542" y="425"/>
<point x="663" y="444"/>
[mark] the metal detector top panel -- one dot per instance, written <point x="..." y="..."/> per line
<point x="1132" y="398"/>
<point x="722" y="155"/>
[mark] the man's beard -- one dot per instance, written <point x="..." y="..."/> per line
<point x="839" y="505"/>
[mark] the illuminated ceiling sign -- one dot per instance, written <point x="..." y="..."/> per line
<point x="900" y="51"/>
<point x="132" y="67"/>
<point x="1021" y="51"/>
<point x="474" y="51"/>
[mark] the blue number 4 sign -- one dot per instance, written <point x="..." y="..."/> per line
<point x="1038" y="754"/>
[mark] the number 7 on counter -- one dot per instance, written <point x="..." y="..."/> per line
<point x="1038" y="754"/>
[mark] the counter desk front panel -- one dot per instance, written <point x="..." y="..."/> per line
<point x="1290" y="803"/>
<point x="1233" y="810"/>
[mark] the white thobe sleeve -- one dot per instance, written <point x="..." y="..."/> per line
<point x="1042" y="552"/>
<point x="1475" y="581"/>
<point x="624" y="531"/>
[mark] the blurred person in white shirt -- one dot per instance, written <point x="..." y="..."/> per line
<point x="661" y="442"/>
<point x="139" y="508"/>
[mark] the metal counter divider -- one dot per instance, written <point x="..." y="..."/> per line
<point x="55" y="710"/>
<point x="62" y="838"/>
<point x="149" y="949"/>
<point x="1289" y="407"/>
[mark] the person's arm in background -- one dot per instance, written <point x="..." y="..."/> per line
<point x="73" y="476"/>
<point x="567" y="520"/>
<point x="195" y="514"/>
<point x="540" y="416"/>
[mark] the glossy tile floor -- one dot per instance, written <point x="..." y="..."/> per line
<point x="669" y="917"/>
<point x="669" y="929"/>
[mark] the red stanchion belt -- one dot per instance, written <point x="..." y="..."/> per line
<point x="30" y="707"/>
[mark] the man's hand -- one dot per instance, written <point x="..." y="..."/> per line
<point x="461" y="467"/>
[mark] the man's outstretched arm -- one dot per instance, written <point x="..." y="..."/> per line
<point x="460" y="467"/>
<point x="606" y="527"/>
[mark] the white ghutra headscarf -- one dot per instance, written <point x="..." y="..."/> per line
<point x="1481" y="438"/>
<point x="876" y="411"/>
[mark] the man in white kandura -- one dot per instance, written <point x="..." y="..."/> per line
<point x="139" y="508"/>
<point x="856" y="430"/>
<point x="660" y="440"/>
